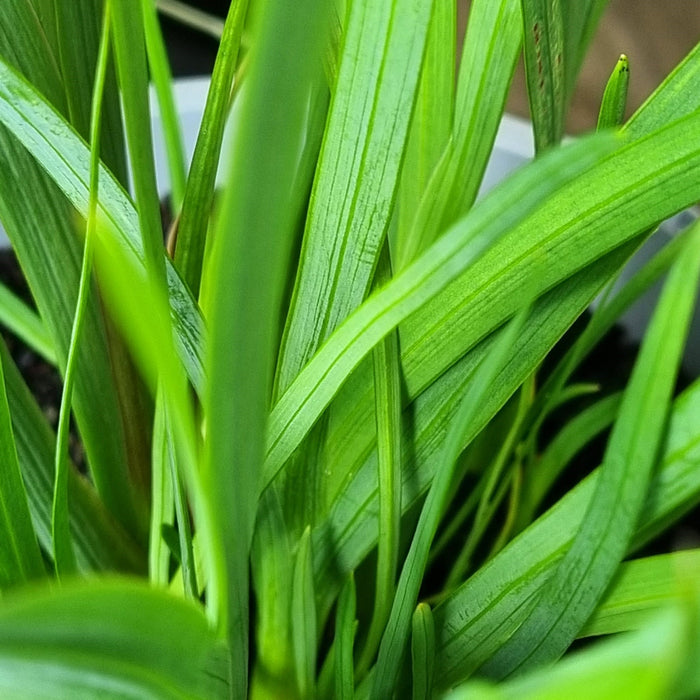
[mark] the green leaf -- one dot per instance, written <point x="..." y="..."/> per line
<point x="245" y="310"/>
<point x="473" y="623"/>
<point x="20" y="558"/>
<point x="25" y="324"/>
<point x="545" y="57"/>
<point x="357" y="174"/>
<point x="422" y="651"/>
<point x="49" y="256"/>
<point x="396" y="634"/>
<point x="108" y="638"/>
<point x="580" y="18"/>
<point x="132" y="69"/>
<point x="642" y="587"/>
<point x="303" y="613"/>
<point x="199" y="194"/>
<point x="351" y="430"/>
<point x="345" y="625"/>
<point x="77" y="28"/>
<point x="162" y="500"/>
<point x="491" y="48"/>
<point x="159" y="70"/>
<point x="272" y="561"/>
<point x="431" y="124"/>
<point x="676" y="97"/>
<point x="387" y="411"/>
<point x="65" y="158"/>
<point x="301" y="405"/>
<point x="99" y="541"/>
<point x="564" y="604"/>
<point x="612" y="108"/>
<point x="585" y="218"/>
<point x="572" y="438"/>
<point x="650" y="664"/>
<point x="64" y="557"/>
<point x="352" y="517"/>
<point x="489" y="55"/>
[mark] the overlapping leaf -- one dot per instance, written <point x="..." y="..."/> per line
<point x="108" y="638"/>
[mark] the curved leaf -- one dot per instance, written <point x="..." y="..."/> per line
<point x="109" y="639"/>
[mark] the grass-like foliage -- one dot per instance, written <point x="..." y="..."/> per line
<point x="317" y="425"/>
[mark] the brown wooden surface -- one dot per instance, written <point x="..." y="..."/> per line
<point x="655" y="35"/>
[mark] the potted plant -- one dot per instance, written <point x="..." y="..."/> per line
<point x="315" y="421"/>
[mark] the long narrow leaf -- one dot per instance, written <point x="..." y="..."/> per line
<point x="77" y="27"/>
<point x="397" y="630"/>
<point x="343" y="642"/>
<point x="387" y="409"/>
<point x="358" y="172"/>
<point x="431" y="124"/>
<point x="491" y="48"/>
<point x="483" y="614"/>
<point x="99" y="541"/>
<point x="245" y="311"/>
<point x="41" y="226"/>
<point x="162" y="81"/>
<point x="304" y="632"/>
<point x="544" y="68"/>
<point x="300" y="406"/>
<point x="655" y="662"/>
<point x="641" y="588"/>
<point x="65" y="158"/>
<point x="130" y="53"/>
<point x="20" y="558"/>
<point x="199" y="194"/>
<point x="564" y="603"/>
<point x="64" y="557"/>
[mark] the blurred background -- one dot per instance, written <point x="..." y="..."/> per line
<point x="654" y="34"/>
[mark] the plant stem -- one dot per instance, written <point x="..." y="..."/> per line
<point x="64" y="557"/>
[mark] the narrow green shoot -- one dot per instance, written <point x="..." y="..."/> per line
<point x="162" y="503"/>
<point x="612" y="108"/>
<point x="422" y="651"/>
<point x="199" y="193"/>
<point x="345" y="626"/>
<point x="248" y="267"/>
<point x="577" y="433"/>
<point x="490" y="495"/>
<point x="162" y="81"/>
<point x="397" y="630"/>
<point x="387" y="407"/>
<point x="304" y="627"/>
<point x="64" y="557"/>
<point x="132" y="68"/>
